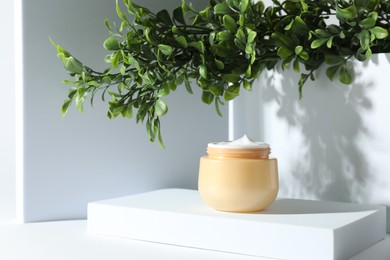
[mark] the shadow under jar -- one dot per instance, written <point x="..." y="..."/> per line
<point x="238" y="176"/>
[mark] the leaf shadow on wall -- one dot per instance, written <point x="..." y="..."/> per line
<point x="332" y="164"/>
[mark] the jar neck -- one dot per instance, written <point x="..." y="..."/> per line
<point x="239" y="153"/>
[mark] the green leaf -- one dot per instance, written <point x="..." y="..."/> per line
<point x="234" y="4"/>
<point x="166" y="49"/>
<point x="116" y="58"/>
<point x="288" y="26"/>
<point x="368" y="53"/>
<point x="164" y="91"/>
<point x="65" y="81"/>
<point x="159" y="137"/>
<point x="232" y="92"/>
<point x="248" y="71"/>
<point x="244" y="5"/>
<point x="239" y="44"/>
<point x="282" y="40"/>
<point x="359" y="55"/>
<point x="188" y="86"/>
<point x="160" y="107"/>
<point x="214" y="89"/>
<point x="302" y="82"/>
<point x="221" y="8"/>
<point x="348" y="13"/>
<point x="372" y="37"/>
<point x="364" y="37"/>
<point x="111" y="44"/>
<point x="296" y="66"/>
<point x="164" y="17"/>
<point x="65" y="106"/>
<point x="93" y="83"/>
<point x="379" y="32"/>
<point x="142" y="111"/>
<point x="329" y="43"/>
<point x="205" y="13"/>
<point x="241" y="20"/>
<point x="185" y="7"/>
<point x="333" y="59"/>
<point x="107" y="23"/>
<point x="130" y="7"/>
<point x="251" y="36"/>
<point x="217" y="102"/>
<point x="249" y="49"/>
<point x="72" y="64"/>
<point x="284" y="52"/>
<point x="367" y="23"/>
<point x="298" y="49"/>
<point x="149" y="36"/>
<point x="197" y="45"/>
<point x="345" y="76"/>
<point x="305" y="7"/>
<point x="134" y="62"/>
<point x="286" y="62"/>
<point x="247" y="85"/>
<point x="220" y="50"/>
<point x="318" y="43"/>
<point x="304" y="55"/>
<point x="207" y="97"/>
<point x="241" y="36"/>
<point x="128" y="112"/>
<point x="299" y="26"/>
<point x="322" y="33"/>
<point x="333" y="29"/>
<point x="203" y="71"/>
<point x="123" y="26"/>
<point x="79" y="102"/>
<point x="212" y="38"/>
<point x="331" y="71"/>
<point x="224" y="35"/>
<point x="233" y="78"/>
<point x="361" y="3"/>
<point x="145" y="78"/>
<point x="220" y="65"/>
<point x="373" y="15"/>
<point x="118" y="10"/>
<point x="175" y="30"/>
<point x="253" y="57"/>
<point x="150" y="129"/>
<point x="182" y="41"/>
<point x="229" y="23"/>
<point x="178" y="15"/>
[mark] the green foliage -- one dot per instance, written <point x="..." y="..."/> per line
<point x="223" y="48"/>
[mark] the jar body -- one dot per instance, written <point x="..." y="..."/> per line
<point x="238" y="184"/>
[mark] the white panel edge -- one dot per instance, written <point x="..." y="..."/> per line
<point x="19" y="126"/>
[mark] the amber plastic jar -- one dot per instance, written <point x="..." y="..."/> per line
<point x="238" y="179"/>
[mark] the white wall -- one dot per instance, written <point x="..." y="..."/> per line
<point x="332" y="145"/>
<point x="86" y="157"/>
<point x="7" y="112"/>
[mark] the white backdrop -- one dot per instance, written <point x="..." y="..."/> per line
<point x="7" y="112"/>
<point x="86" y="157"/>
<point x="332" y="145"/>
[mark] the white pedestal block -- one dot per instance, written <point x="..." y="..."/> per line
<point x="289" y="229"/>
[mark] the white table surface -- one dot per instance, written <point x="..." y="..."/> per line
<point x="70" y="240"/>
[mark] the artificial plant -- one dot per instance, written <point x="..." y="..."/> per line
<point x="223" y="48"/>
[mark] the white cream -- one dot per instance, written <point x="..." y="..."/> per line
<point x="243" y="142"/>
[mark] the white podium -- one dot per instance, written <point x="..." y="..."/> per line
<point x="290" y="229"/>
